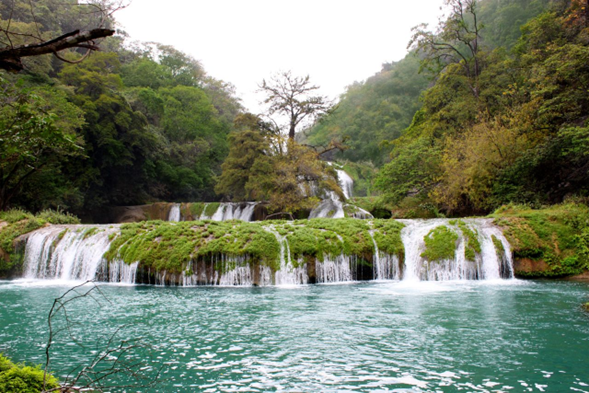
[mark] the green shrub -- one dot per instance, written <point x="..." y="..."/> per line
<point x="17" y="378"/>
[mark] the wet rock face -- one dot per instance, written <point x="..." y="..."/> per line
<point x="525" y="266"/>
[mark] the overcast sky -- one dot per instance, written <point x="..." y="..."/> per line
<point x="245" y="41"/>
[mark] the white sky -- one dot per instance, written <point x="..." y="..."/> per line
<point x="245" y="41"/>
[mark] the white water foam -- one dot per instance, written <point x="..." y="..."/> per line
<point x="288" y="274"/>
<point x="174" y="214"/>
<point x="489" y="264"/>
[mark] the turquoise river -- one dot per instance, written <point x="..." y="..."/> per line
<point x="468" y="336"/>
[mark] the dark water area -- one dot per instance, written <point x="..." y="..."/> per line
<point x="484" y="336"/>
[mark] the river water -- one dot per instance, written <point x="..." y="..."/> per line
<point x="484" y="336"/>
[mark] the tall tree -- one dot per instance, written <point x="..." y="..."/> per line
<point x="293" y="97"/>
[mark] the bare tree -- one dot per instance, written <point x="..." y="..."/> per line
<point x="16" y="44"/>
<point x="293" y="97"/>
<point x="109" y="360"/>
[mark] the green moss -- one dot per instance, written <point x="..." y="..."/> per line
<point x="18" y="378"/>
<point x="472" y="246"/>
<point x="558" y="235"/>
<point x="89" y="232"/>
<point x="388" y="237"/>
<point x="170" y="246"/>
<point x="196" y="209"/>
<point x="440" y="244"/>
<point x="211" y="208"/>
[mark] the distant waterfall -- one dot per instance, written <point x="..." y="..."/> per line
<point x="345" y="182"/>
<point x="332" y="207"/>
<point x="243" y="211"/>
<point x="174" y="214"/>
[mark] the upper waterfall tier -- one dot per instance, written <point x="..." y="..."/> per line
<point x="281" y="253"/>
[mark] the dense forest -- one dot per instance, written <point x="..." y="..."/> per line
<point x="501" y="117"/>
<point x="126" y="125"/>
<point x="490" y="108"/>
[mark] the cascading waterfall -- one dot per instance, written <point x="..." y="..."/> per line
<point x="332" y="207"/>
<point x="384" y="266"/>
<point x="243" y="211"/>
<point x="72" y="252"/>
<point x="340" y="268"/>
<point x="174" y="214"/>
<point x="491" y="263"/>
<point x="345" y="182"/>
<point x="288" y="274"/>
<point x="76" y="252"/>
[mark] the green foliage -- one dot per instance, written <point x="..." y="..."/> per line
<point x="17" y="378"/>
<point x="558" y="235"/>
<point x="440" y="244"/>
<point x="373" y="112"/>
<point x="472" y="246"/>
<point x="497" y="126"/>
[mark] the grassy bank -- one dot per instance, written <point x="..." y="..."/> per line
<point x="554" y="240"/>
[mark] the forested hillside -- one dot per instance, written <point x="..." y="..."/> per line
<point x="372" y="113"/>
<point x="124" y="125"/>
<point x="489" y="108"/>
<point x="498" y="126"/>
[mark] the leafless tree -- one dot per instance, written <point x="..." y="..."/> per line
<point x="16" y="44"/>
<point x="293" y="97"/>
<point x="111" y="359"/>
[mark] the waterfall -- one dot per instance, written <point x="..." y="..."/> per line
<point x="345" y="182"/>
<point x="480" y="252"/>
<point x="330" y="207"/>
<point x="121" y="272"/>
<point x="243" y="211"/>
<point x="73" y="252"/>
<point x="489" y="264"/>
<point x="288" y="274"/>
<point x="174" y="214"/>
<point x="384" y="266"/>
<point x="340" y="268"/>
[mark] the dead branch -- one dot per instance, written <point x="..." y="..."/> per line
<point x="10" y="58"/>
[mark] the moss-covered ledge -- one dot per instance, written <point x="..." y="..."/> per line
<point x="15" y="223"/>
<point x="551" y="242"/>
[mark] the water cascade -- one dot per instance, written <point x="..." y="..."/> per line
<point x="493" y="261"/>
<point x="480" y="252"/>
<point x="345" y="182"/>
<point x="384" y="266"/>
<point x="332" y="207"/>
<point x="288" y="274"/>
<point x="174" y="214"/>
<point x="340" y="268"/>
<point x="232" y="211"/>
<point x="73" y="252"/>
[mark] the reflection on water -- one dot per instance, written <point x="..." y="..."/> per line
<point x="505" y="335"/>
